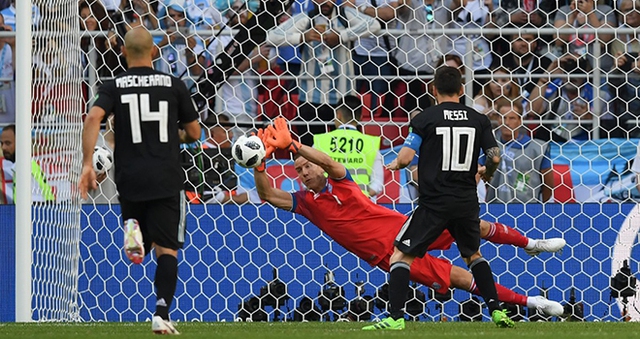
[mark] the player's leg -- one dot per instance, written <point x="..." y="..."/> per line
<point x="466" y="232"/>
<point x="166" y="228"/>
<point x="415" y="236"/>
<point x="462" y="279"/>
<point x="136" y="236"/>
<point x="499" y="233"/>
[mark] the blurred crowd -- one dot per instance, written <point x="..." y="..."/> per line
<point x="535" y="86"/>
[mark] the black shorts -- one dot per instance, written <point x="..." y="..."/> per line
<point x="162" y="221"/>
<point x="425" y="226"/>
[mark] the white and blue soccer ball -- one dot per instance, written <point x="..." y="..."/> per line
<point x="248" y="151"/>
<point x="102" y="159"/>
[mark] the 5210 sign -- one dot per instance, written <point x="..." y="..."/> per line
<point x="347" y="145"/>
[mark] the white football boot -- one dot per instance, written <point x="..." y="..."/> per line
<point x="133" y="245"/>
<point x="546" y="245"/>
<point x="161" y="326"/>
<point x="548" y="307"/>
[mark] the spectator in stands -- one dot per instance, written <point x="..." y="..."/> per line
<point x="220" y="134"/>
<point x="571" y="99"/>
<point x="113" y="5"/>
<point x="239" y="94"/>
<point x="473" y="14"/>
<point x="530" y="69"/>
<point x="4" y="4"/>
<point x="7" y="72"/>
<point x="203" y="14"/>
<point x="585" y="13"/>
<point x="40" y="189"/>
<point x="372" y="54"/>
<point x="93" y="17"/>
<point x="525" y="173"/>
<point x="500" y="86"/>
<point x="520" y="13"/>
<point x="177" y="40"/>
<point x="626" y="49"/>
<point x="360" y="153"/>
<point x="289" y="56"/>
<point x="9" y="15"/>
<point x="418" y="55"/>
<point x="327" y="69"/>
<point x="142" y="13"/>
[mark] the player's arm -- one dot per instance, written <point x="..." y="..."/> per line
<point x="187" y="114"/>
<point x="407" y="152"/>
<point x="274" y="196"/>
<point x="333" y="168"/>
<point x="190" y="132"/>
<point x="88" y="180"/>
<point x="279" y="136"/>
<point x="491" y="164"/>
<point x="490" y="147"/>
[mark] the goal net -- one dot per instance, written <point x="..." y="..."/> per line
<point x="561" y="95"/>
<point x="57" y="109"/>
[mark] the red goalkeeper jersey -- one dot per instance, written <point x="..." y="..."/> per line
<point x="350" y="218"/>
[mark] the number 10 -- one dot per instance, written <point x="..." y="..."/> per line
<point x="451" y="150"/>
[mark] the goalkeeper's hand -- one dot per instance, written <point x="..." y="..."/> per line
<point x="264" y="135"/>
<point x="281" y="136"/>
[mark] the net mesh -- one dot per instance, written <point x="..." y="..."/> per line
<point x="57" y="124"/>
<point x="525" y="64"/>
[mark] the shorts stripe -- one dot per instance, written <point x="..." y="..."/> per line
<point x="404" y="228"/>
<point x="182" y="222"/>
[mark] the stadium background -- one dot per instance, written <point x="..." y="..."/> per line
<point x="233" y="249"/>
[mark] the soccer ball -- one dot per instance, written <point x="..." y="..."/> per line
<point x="249" y="151"/>
<point x="102" y="159"/>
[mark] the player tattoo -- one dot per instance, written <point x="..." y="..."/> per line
<point x="491" y="165"/>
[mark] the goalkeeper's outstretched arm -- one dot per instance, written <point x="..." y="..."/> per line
<point x="272" y="195"/>
<point x="333" y="168"/>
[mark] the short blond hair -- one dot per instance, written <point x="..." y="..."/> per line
<point x="512" y="104"/>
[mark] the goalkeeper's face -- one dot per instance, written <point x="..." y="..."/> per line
<point x="311" y="175"/>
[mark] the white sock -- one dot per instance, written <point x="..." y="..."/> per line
<point x="531" y="244"/>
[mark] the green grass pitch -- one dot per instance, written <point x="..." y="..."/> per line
<point x="427" y="330"/>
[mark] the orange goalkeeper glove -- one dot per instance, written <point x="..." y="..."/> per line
<point x="264" y="135"/>
<point x="281" y="136"/>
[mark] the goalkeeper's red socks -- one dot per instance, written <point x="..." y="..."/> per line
<point x="165" y="282"/>
<point x="503" y="234"/>
<point x="504" y="294"/>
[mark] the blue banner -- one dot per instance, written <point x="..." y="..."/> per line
<point x="600" y="169"/>
<point x="231" y="251"/>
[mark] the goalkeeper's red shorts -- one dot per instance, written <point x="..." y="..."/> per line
<point x="429" y="271"/>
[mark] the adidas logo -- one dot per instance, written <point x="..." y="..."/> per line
<point x="161" y="302"/>
<point x="406" y="242"/>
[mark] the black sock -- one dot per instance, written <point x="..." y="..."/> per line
<point x="398" y="288"/>
<point x="166" y="280"/>
<point x="484" y="280"/>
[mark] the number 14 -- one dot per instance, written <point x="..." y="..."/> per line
<point x="139" y="110"/>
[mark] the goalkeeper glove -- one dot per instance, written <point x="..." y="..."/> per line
<point x="281" y="136"/>
<point x="264" y="135"/>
